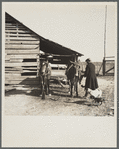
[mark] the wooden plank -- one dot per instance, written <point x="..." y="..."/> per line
<point x="34" y="42"/>
<point x="12" y="76"/>
<point x="22" y="78"/>
<point x="14" y="60"/>
<point x="13" y="69"/>
<point x="22" y="51"/>
<point x="21" y="64"/>
<point x="14" y="25"/>
<point x="21" y="38"/>
<point x="21" y="46"/>
<point x="7" y="26"/>
<point x="20" y="68"/>
<point x="19" y="31"/>
<point x="11" y="28"/>
<point x="29" y="67"/>
<point x="21" y="35"/>
<point x="13" y="72"/>
<point x="24" y="82"/>
<point x="34" y="56"/>
<point x="10" y="23"/>
<point x="20" y="71"/>
<point x="9" y="88"/>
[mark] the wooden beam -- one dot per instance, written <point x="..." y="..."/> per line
<point x="10" y="26"/>
<point x="19" y="71"/>
<point x="19" y="31"/>
<point x="20" y="68"/>
<point x="21" y="38"/>
<point x="22" y="51"/>
<point x="24" y="82"/>
<point x="13" y="69"/>
<point x="9" y="23"/>
<point x="104" y="66"/>
<point x="12" y="76"/>
<point x="109" y="70"/>
<point x="13" y="72"/>
<point x="21" y="35"/>
<point x="32" y="42"/>
<point x="21" y="78"/>
<point x="13" y="25"/>
<point x="21" y="64"/>
<point x="20" y="56"/>
<point x="21" y="46"/>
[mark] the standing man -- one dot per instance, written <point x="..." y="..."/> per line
<point x="45" y="75"/>
<point x="91" y="80"/>
<point x="48" y="71"/>
<point x="78" y="74"/>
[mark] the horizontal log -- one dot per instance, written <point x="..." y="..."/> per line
<point x="29" y="68"/>
<point x="20" y="71"/>
<point x="21" y="82"/>
<point x="12" y="76"/>
<point x="25" y="69"/>
<point x="33" y="78"/>
<point x="17" y="79"/>
<point x="13" y="29"/>
<point x="22" y="51"/>
<point x="13" y="72"/>
<point x="10" y="21"/>
<point x="14" y="61"/>
<point x="34" y="56"/>
<point x="21" y="64"/>
<point x="13" y="69"/>
<point x="21" y="46"/>
<point x="22" y="38"/>
<point x="7" y="58"/>
<point x="20" y="68"/>
<point x="21" y="35"/>
<point x="32" y="42"/>
<point x="19" y="31"/>
<point x="13" y="24"/>
<point x="10" y="25"/>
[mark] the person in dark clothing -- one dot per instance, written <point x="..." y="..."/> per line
<point x="91" y="79"/>
<point x="78" y="74"/>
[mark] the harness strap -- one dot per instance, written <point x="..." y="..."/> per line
<point x="69" y="67"/>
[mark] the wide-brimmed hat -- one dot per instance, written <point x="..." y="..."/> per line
<point x="75" y="63"/>
<point x="88" y="60"/>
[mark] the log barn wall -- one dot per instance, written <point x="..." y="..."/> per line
<point x="22" y="47"/>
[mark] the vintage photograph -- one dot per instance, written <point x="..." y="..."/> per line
<point x="60" y="59"/>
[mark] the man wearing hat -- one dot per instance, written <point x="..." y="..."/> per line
<point x="91" y="80"/>
<point x="78" y="74"/>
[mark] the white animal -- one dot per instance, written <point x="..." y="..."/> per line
<point x="97" y="93"/>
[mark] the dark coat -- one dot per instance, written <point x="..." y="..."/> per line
<point x="70" y="72"/>
<point x="91" y="80"/>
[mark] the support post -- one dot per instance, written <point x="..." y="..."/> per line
<point x="104" y="65"/>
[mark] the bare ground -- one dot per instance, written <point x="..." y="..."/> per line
<point x="26" y="101"/>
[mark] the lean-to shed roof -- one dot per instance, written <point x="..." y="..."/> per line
<point x="48" y="46"/>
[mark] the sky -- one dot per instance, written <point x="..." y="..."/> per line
<point x="79" y="26"/>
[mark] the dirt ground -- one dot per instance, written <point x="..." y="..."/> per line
<point x="25" y="100"/>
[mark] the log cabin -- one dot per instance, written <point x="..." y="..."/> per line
<point x="23" y="49"/>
